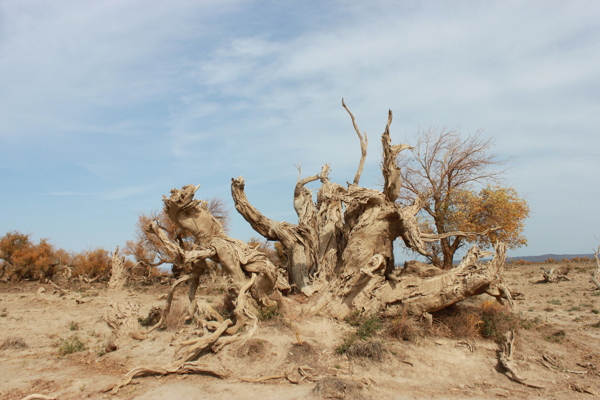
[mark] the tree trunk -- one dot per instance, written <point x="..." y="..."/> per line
<point x="369" y="291"/>
<point x="342" y="245"/>
<point x="299" y="241"/>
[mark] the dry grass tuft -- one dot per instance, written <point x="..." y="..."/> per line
<point x="488" y="319"/>
<point x="176" y="318"/>
<point x="13" y="343"/>
<point x="70" y="345"/>
<point x="457" y="321"/>
<point x="336" y="388"/>
<point x="406" y="327"/>
<point x="371" y="350"/>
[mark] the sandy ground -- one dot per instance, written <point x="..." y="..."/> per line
<point x="432" y="367"/>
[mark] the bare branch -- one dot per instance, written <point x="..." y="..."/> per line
<point x="364" y="143"/>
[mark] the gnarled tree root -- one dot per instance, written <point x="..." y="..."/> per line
<point x="508" y="364"/>
<point x="184" y="365"/>
<point x="302" y="372"/>
<point x="175" y="368"/>
<point x="163" y="317"/>
<point x="190" y="350"/>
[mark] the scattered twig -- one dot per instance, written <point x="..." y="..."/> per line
<point x="37" y="396"/>
<point x="465" y="343"/>
<point x="580" y="389"/>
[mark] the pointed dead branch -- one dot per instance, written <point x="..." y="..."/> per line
<point x="364" y="144"/>
<point x="594" y="276"/>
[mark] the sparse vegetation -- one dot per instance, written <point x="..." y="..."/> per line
<point x="372" y="350"/>
<point x="73" y="326"/>
<point x="13" y="343"/>
<point x="70" y="345"/>
<point x="367" y="327"/>
<point x="556" y="337"/>
<point x="496" y="320"/>
<point x="268" y="313"/>
<point x="405" y="328"/>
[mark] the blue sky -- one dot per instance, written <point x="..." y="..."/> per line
<point x="107" y="105"/>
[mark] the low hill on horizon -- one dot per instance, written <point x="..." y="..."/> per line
<point x="557" y="257"/>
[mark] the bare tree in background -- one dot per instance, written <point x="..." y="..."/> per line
<point x="443" y="163"/>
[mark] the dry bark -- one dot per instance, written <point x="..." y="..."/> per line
<point x="122" y="319"/>
<point x="594" y="276"/>
<point x="118" y="273"/>
<point x="551" y="277"/>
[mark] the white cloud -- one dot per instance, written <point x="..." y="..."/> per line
<point x="144" y="95"/>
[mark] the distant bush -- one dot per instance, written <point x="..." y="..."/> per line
<point x="91" y="263"/>
<point x="20" y="258"/>
<point x="522" y="262"/>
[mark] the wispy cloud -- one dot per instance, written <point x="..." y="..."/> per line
<point x="139" y="97"/>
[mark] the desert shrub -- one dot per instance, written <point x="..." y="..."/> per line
<point x="369" y="327"/>
<point x="73" y="326"/>
<point x="20" y="258"/>
<point x="13" y="343"/>
<point x="488" y="319"/>
<point x="457" y="321"/>
<point x="522" y="262"/>
<point x="336" y="388"/>
<point x="72" y="344"/>
<point x="372" y="350"/>
<point x="92" y="263"/>
<point x="496" y="320"/>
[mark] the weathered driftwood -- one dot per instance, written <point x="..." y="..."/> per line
<point x="237" y="258"/>
<point x="551" y="277"/>
<point x="341" y="249"/>
<point x="342" y="245"/>
<point x="594" y="276"/>
<point x="118" y="273"/>
<point x="122" y="319"/>
<point x="370" y="292"/>
<point x="37" y="396"/>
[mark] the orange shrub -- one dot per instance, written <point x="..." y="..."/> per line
<point x="22" y="259"/>
<point x="92" y="263"/>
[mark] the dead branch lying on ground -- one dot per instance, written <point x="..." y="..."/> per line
<point x="551" y="277"/>
<point x="37" y="396"/>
